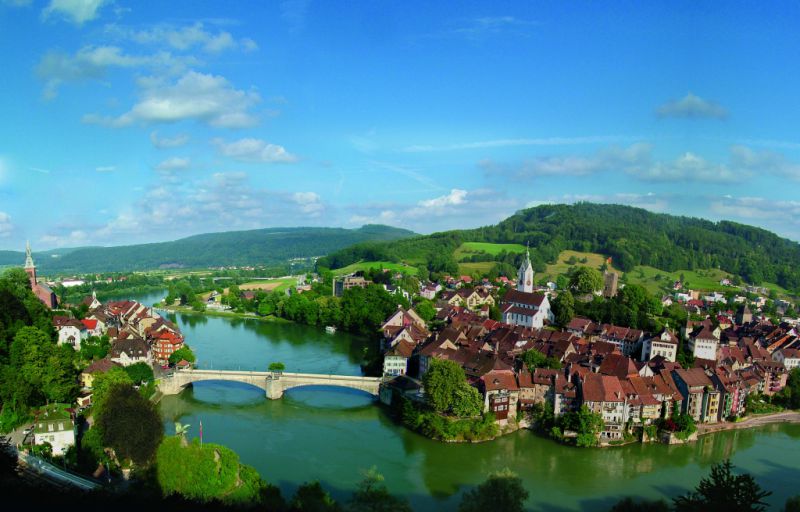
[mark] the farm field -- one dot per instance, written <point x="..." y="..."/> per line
<point x="469" y="248"/>
<point x="482" y="267"/>
<point x="270" y="285"/>
<point x="704" y="280"/>
<point x="364" y="265"/>
<point x="593" y="260"/>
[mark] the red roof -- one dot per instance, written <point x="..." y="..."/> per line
<point x="90" y="324"/>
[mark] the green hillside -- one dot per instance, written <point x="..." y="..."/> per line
<point x="630" y="236"/>
<point x="271" y="246"/>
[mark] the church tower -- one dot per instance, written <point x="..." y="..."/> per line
<point x="30" y="268"/>
<point x="525" y="274"/>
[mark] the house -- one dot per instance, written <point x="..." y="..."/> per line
<point x="91" y="326"/>
<point x="664" y="344"/>
<point x="732" y="392"/>
<point x="472" y="298"/>
<point x="91" y="301"/>
<point x="165" y="344"/>
<point x="95" y="368"/>
<point x="704" y="341"/>
<point x="131" y="351"/>
<point x="702" y="398"/>
<point x="536" y="387"/>
<point x="347" y="282"/>
<point x="790" y="357"/>
<point x="526" y="309"/>
<point x="429" y="291"/>
<point x="70" y="331"/>
<point x="501" y="391"/>
<point x="55" y="425"/>
<point x="744" y="315"/>
<point x="395" y="360"/>
<point x="603" y="394"/>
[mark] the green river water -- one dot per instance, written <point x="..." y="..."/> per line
<point x="332" y="435"/>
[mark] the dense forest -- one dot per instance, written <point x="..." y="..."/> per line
<point x="257" y="247"/>
<point x="631" y="236"/>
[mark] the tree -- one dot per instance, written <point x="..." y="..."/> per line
<point x="442" y="381"/>
<point x="276" y="367"/>
<point x="103" y="383"/>
<point x="790" y="395"/>
<point x="792" y="504"/>
<point x="371" y="495"/>
<point x="45" y="369"/>
<point x="185" y="352"/>
<point x="564" y="308"/>
<point x="723" y="490"/>
<point x="311" y="497"/>
<point x="139" y="373"/>
<point x="586" y="280"/>
<point x="131" y="425"/>
<point x="503" y="490"/>
<point x="630" y="505"/>
<point x="467" y="401"/>
<point x="535" y="359"/>
<point x="425" y="310"/>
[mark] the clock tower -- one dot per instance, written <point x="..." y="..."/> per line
<point x="525" y="274"/>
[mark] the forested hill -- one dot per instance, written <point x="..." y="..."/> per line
<point x="631" y="236"/>
<point x="271" y="246"/>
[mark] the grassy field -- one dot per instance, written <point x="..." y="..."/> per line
<point x="470" y="248"/>
<point x="593" y="260"/>
<point x="704" y="280"/>
<point x="482" y="267"/>
<point x="364" y="265"/>
<point x="270" y="285"/>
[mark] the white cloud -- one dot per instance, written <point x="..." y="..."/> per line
<point x="195" y="96"/>
<point x="174" y="164"/>
<point x="92" y="63"/>
<point x="635" y="160"/>
<point x="309" y="202"/>
<point x="498" y="143"/>
<point x="780" y="215"/>
<point x="686" y="167"/>
<point x="76" y="11"/>
<point x="184" y="38"/>
<point x="455" y="197"/>
<point x="105" y="168"/>
<point x="692" y="107"/>
<point x="768" y="162"/>
<point x="6" y="227"/>
<point x="254" y="150"/>
<point x="168" y="142"/>
<point x="457" y="209"/>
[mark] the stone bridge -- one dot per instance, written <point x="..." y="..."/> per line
<point x="274" y="384"/>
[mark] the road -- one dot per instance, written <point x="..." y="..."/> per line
<point x="56" y="474"/>
<point x="753" y="421"/>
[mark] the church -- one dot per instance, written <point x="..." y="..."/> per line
<point x="42" y="291"/>
<point x="522" y="306"/>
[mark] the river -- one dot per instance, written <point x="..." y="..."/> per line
<point x="332" y="435"/>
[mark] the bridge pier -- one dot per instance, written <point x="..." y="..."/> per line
<point x="274" y="388"/>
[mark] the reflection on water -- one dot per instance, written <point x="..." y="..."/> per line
<point x="331" y="435"/>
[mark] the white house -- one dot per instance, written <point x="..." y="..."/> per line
<point x="131" y="351"/>
<point x="70" y="332"/>
<point x="664" y="345"/>
<point x="790" y="357"/>
<point x="704" y="344"/>
<point x="54" y="425"/>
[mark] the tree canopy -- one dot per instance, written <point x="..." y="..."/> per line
<point x="724" y="490"/>
<point x="130" y="424"/>
<point x="447" y="390"/>
<point x="503" y="490"/>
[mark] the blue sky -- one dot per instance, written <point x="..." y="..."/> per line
<point x="127" y="122"/>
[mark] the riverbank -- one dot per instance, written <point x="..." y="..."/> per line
<point x="222" y="314"/>
<point x="751" y="422"/>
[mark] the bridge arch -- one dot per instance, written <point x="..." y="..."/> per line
<point x="273" y="384"/>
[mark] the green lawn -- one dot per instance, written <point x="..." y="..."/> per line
<point x="703" y="280"/>
<point x="482" y="267"/>
<point x="470" y="248"/>
<point x="593" y="260"/>
<point x="270" y="285"/>
<point x="364" y="265"/>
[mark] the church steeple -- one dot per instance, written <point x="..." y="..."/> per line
<point x="28" y="257"/>
<point x="30" y="268"/>
<point x="525" y="274"/>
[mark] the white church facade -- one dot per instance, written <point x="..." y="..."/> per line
<point x="522" y="306"/>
